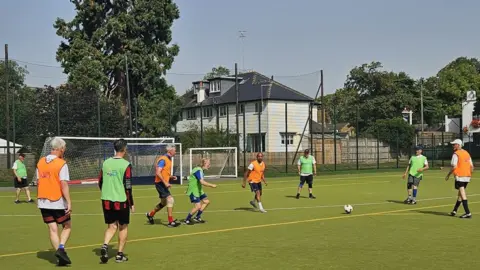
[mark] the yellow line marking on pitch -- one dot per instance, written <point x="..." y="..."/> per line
<point x="244" y="228"/>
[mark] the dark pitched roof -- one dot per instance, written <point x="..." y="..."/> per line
<point x="251" y="88"/>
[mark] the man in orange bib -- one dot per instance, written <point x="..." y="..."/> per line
<point x="163" y="176"/>
<point x="255" y="175"/>
<point x="54" y="197"/>
<point x="462" y="168"/>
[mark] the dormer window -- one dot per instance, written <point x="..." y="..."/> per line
<point x="215" y="86"/>
<point x="196" y="86"/>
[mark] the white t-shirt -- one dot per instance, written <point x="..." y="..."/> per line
<point x="300" y="164"/>
<point x="454" y="163"/>
<point x="250" y="167"/>
<point x="61" y="203"/>
<point x="15" y="166"/>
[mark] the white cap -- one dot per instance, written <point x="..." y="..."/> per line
<point x="457" y="141"/>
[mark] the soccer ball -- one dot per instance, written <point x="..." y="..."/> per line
<point x="348" y="208"/>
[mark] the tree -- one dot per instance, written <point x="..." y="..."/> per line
<point x="455" y="80"/>
<point x="217" y="72"/>
<point x="378" y="95"/>
<point x="103" y="33"/>
<point x="393" y="131"/>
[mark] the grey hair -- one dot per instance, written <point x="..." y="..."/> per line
<point x="58" y="144"/>
<point x="170" y="147"/>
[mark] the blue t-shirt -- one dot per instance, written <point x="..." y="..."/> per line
<point x="161" y="163"/>
<point x="198" y="174"/>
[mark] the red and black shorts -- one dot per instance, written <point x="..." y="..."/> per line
<point x="114" y="212"/>
<point x="55" y="215"/>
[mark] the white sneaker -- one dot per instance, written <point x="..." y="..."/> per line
<point x="263" y="210"/>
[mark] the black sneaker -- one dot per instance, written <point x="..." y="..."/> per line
<point x="188" y="222"/>
<point x="469" y="215"/>
<point x="198" y="220"/>
<point x="297" y="197"/>
<point x="30" y="201"/>
<point x="104" y="254"/>
<point x="121" y="258"/>
<point x="62" y="257"/>
<point x="312" y="197"/>
<point x="150" y="218"/>
<point x="453" y="213"/>
<point x="407" y="201"/>
<point x="17" y="201"/>
<point x="173" y="224"/>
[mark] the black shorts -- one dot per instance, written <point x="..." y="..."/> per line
<point x="21" y="184"/>
<point x="308" y="179"/>
<point x="54" y="215"/>
<point x="414" y="180"/>
<point x="254" y="187"/>
<point x="163" y="191"/>
<point x="459" y="184"/>
<point x="114" y="212"/>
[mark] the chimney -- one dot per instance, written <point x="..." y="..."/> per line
<point x="201" y="93"/>
<point x="272" y="78"/>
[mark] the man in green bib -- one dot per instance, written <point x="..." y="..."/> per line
<point x="306" y="169"/>
<point x="416" y="166"/>
<point x="117" y="199"/>
<point x="20" y="181"/>
<point x="195" y="192"/>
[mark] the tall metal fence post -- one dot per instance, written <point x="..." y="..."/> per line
<point x="228" y="125"/>
<point x="378" y="149"/>
<point x="244" y="143"/>
<point x="434" y="152"/>
<point x="201" y="124"/>
<point x="286" y="137"/>
<point x="334" y="134"/>
<point x="443" y="149"/>
<point x="58" y="112"/>
<point x="357" y="133"/>
<point x="398" y="149"/>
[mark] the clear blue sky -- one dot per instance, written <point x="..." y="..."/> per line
<point x="284" y="38"/>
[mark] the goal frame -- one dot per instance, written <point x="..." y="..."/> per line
<point x="216" y="148"/>
<point x="148" y="141"/>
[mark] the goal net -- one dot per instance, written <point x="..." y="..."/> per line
<point x="85" y="156"/>
<point x="223" y="161"/>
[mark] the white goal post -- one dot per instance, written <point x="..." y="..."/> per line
<point x="223" y="161"/>
<point x="85" y="156"/>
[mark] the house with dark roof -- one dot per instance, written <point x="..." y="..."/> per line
<point x="264" y="104"/>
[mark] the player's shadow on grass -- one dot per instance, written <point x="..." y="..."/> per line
<point x="112" y="252"/>
<point x="435" y="213"/>
<point x="294" y="197"/>
<point x="47" y="255"/>
<point x="396" y="201"/>
<point x="250" y="209"/>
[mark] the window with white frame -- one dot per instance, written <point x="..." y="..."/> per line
<point x="191" y="114"/>
<point x="242" y="108"/>
<point x="207" y="112"/>
<point x="258" y="107"/>
<point x="180" y="115"/>
<point x="215" y="86"/>
<point x="287" y="138"/>
<point x="223" y="111"/>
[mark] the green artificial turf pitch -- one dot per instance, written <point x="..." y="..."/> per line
<point x="381" y="233"/>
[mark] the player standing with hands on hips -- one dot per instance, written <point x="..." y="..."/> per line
<point x="462" y="168"/>
<point x="115" y="183"/>
<point x="255" y="175"/>
<point x="307" y="168"/>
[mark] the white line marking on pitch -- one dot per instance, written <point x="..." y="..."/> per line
<point x="269" y="209"/>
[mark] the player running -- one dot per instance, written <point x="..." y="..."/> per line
<point x="306" y="169"/>
<point x="54" y="197"/>
<point x="195" y="192"/>
<point x="117" y="199"/>
<point x="255" y="175"/>
<point x="462" y="168"/>
<point x="20" y="181"/>
<point x="416" y="166"/>
<point x="162" y="184"/>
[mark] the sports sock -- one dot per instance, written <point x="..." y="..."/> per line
<point x="414" y="193"/>
<point x="199" y="213"/>
<point x="152" y="213"/>
<point x="189" y="216"/>
<point x="457" y="205"/>
<point x="104" y="246"/>
<point x="465" y="206"/>
<point x="61" y="246"/>
<point x="298" y="194"/>
<point x="170" y="219"/>
<point x="260" y="205"/>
